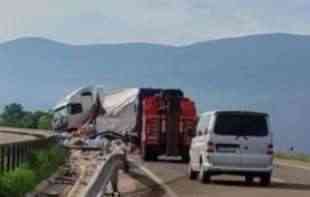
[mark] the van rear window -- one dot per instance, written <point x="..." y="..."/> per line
<point x="241" y="125"/>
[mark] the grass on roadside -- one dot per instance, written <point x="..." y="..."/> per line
<point x="293" y="156"/>
<point x="41" y="165"/>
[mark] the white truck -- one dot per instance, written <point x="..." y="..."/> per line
<point x="73" y="111"/>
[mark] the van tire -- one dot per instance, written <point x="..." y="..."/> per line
<point x="249" y="180"/>
<point x="265" y="180"/>
<point x="204" y="176"/>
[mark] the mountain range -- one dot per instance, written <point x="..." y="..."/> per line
<point x="268" y="72"/>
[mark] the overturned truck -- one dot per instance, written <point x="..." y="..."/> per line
<point x="159" y="121"/>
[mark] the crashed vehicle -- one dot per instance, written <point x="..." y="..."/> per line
<point x="159" y="121"/>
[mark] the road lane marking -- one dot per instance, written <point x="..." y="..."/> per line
<point x="281" y="163"/>
<point x="156" y="179"/>
<point x="159" y="181"/>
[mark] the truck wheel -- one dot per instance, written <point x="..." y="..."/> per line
<point x="154" y="157"/>
<point x="265" y="180"/>
<point x="185" y="158"/>
<point x="146" y="154"/>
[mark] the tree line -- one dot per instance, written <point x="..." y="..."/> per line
<point x="14" y="115"/>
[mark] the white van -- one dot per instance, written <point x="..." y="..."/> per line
<point x="232" y="142"/>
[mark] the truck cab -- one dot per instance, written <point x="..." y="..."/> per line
<point x="72" y="111"/>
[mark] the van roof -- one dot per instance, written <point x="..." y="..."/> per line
<point x="234" y="112"/>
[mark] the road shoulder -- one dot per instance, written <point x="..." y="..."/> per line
<point x="293" y="164"/>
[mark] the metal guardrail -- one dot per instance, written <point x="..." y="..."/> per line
<point x="13" y="155"/>
<point x="39" y="133"/>
<point x="108" y="173"/>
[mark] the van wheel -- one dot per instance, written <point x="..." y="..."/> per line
<point x="265" y="180"/>
<point x="192" y="174"/>
<point x="204" y="176"/>
<point x="249" y="180"/>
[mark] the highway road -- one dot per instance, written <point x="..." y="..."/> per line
<point x="169" y="179"/>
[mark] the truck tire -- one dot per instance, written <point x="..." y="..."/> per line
<point x="154" y="156"/>
<point x="185" y="157"/>
<point x="146" y="154"/>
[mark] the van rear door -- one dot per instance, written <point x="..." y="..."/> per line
<point x="244" y="136"/>
<point x="227" y="145"/>
<point x="256" y="141"/>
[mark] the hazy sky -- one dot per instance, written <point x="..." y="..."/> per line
<point x="161" y="21"/>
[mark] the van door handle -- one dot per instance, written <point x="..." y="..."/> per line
<point x="246" y="148"/>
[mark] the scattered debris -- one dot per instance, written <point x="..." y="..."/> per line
<point x="84" y="163"/>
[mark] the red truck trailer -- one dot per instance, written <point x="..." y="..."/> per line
<point x="168" y="122"/>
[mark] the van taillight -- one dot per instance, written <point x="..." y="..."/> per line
<point x="270" y="149"/>
<point x="210" y="147"/>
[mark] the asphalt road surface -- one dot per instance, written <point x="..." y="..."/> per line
<point x="169" y="179"/>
